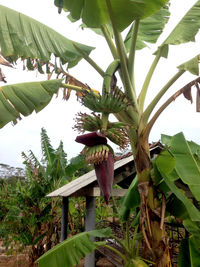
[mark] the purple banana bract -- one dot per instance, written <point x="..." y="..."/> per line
<point x="105" y="169"/>
<point x="105" y="176"/>
<point x="92" y="139"/>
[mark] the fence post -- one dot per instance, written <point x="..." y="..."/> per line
<point x="64" y="218"/>
<point x="90" y="220"/>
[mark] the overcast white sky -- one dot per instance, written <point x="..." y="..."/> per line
<point x="57" y="118"/>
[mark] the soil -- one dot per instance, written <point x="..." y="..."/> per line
<point x="22" y="261"/>
<point x="14" y="261"/>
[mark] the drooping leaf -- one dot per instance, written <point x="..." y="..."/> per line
<point x="150" y="29"/>
<point x="71" y="251"/>
<point x="95" y="13"/>
<point x="191" y="65"/>
<point x="130" y="201"/>
<point x="25" y="38"/>
<point x="166" y="172"/>
<point x="186" y="165"/>
<point x="24" y="98"/>
<point x="193" y="212"/>
<point x="186" y="30"/>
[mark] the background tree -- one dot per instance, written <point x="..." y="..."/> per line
<point x="28" y="218"/>
<point x="34" y="43"/>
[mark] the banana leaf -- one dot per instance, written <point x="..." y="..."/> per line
<point x="194" y="147"/>
<point x="166" y="166"/>
<point x="25" y="38"/>
<point x="190" y="247"/>
<point x="186" y="30"/>
<point x="183" y="256"/>
<point x="187" y="155"/>
<point x="24" y="98"/>
<point x="192" y="227"/>
<point x="193" y="212"/>
<point x="71" y="251"/>
<point x="191" y="65"/>
<point x="130" y="201"/>
<point x="186" y="165"/>
<point x="95" y="13"/>
<point x="150" y="29"/>
<point x="189" y="255"/>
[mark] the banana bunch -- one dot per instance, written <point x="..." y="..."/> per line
<point x="85" y="122"/>
<point x="118" y="136"/>
<point x="96" y="154"/>
<point x="110" y="102"/>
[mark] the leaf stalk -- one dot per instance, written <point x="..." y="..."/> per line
<point x="131" y="58"/>
<point x="123" y="58"/>
<point x="156" y="99"/>
<point x="89" y="60"/>
<point x="142" y="95"/>
<point x="109" y="41"/>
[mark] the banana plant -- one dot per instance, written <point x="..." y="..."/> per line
<point x="24" y="38"/>
<point x="70" y="251"/>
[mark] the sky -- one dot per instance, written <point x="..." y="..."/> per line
<point x="58" y="117"/>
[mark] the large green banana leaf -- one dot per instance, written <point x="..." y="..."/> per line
<point x="130" y="201"/>
<point x="95" y="13"/>
<point x="71" y="251"/>
<point x="186" y="30"/>
<point x="165" y="166"/>
<point x="179" y="162"/>
<point x="189" y="255"/>
<point x="150" y="29"/>
<point x="25" y="38"/>
<point x="194" y="147"/>
<point x="23" y="98"/>
<point x="186" y="166"/>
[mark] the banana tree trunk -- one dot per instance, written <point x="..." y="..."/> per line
<point x="152" y="209"/>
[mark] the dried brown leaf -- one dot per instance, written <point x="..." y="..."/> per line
<point x="197" y="98"/>
<point x="4" y="62"/>
<point x="2" y="77"/>
<point x="188" y="94"/>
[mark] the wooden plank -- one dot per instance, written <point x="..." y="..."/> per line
<point x="74" y="185"/>
<point x="96" y="192"/>
<point x="83" y="181"/>
<point x="88" y="178"/>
